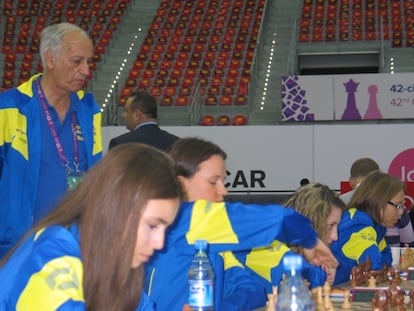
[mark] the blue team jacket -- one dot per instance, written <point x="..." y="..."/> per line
<point x="20" y="142"/>
<point x="226" y="227"/>
<point x="46" y="273"/>
<point x="358" y="239"/>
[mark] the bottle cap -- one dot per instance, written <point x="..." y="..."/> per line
<point x="200" y="244"/>
<point x="292" y="262"/>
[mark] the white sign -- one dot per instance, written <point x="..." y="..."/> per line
<point x="274" y="159"/>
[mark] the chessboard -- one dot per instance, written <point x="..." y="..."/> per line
<point x="368" y="289"/>
<point x="355" y="306"/>
<point x="396" y="295"/>
<point x="338" y="297"/>
<point x="360" y="306"/>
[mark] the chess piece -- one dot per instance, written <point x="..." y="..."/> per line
<point x="389" y="299"/>
<point x="346" y="304"/>
<point x="399" y="303"/>
<point x="397" y="277"/>
<point x="393" y="293"/>
<point x="373" y="111"/>
<point x="411" y="301"/>
<point x="351" y="111"/>
<point x="318" y="299"/>
<point x="353" y="281"/>
<point x="382" y="300"/>
<point x="372" y="282"/>
<point x="271" y="299"/>
<point x="270" y="302"/>
<point x="374" y="303"/>
<point x="327" y="296"/>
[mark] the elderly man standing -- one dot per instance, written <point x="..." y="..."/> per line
<point x="50" y="132"/>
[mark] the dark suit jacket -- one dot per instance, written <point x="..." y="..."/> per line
<point x="149" y="134"/>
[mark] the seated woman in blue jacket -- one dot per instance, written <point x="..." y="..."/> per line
<point x="88" y="254"/>
<point x="227" y="227"/>
<point x="376" y="204"/>
<point x="324" y="209"/>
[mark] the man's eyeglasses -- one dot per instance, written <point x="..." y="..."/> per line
<point x="398" y="206"/>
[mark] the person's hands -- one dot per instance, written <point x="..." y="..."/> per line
<point x="320" y="255"/>
<point x="330" y="274"/>
<point x="186" y="307"/>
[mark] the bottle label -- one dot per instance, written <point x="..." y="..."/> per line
<point x="201" y="293"/>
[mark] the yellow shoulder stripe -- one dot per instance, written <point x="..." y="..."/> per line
<point x="13" y="125"/>
<point x="263" y="259"/>
<point x="97" y="133"/>
<point x="359" y="242"/>
<point x="58" y="281"/>
<point x="209" y="221"/>
<point x="26" y="87"/>
<point x="230" y="260"/>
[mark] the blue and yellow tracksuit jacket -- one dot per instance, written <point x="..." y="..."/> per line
<point x="226" y="227"/>
<point x="20" y="153"/>
<point x="358" y="239"/>
<point x="46" y="273"/>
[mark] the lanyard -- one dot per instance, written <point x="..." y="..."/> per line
<point x="56" y="139"/>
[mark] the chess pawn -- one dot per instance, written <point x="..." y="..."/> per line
<point x="353" y="281"/>
<point x="346" y="304"/>
<point x="270" y="302"/>
<point x="271" y="299"/>
<point x="397" y="278"/>
<point x="372" y="282"/>
<point x="318" y="299"/>
<point x="389" y="298"/>
<point x="327" y="296"/>
<point x="374" y="303"/>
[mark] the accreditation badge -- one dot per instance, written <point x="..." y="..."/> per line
<point x="73" y="179"/>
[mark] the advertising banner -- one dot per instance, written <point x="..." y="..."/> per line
<point x="348" y="97"/>
<point x="374" y="96"/>
<point x="306" y="98"/>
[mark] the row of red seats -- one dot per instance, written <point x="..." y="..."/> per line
<point x="184" y="96"/>
<point x="61" y="7"/>
<point x="355" y="20"/>
<point x="198" y="44"/>
<point x="210" y="120"/>
<point x="20" y="18"/>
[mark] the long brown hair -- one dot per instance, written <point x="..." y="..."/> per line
<point x="108" y="205"/>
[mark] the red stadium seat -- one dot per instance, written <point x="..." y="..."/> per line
<point x="223" y="120"/>
<point x="208" y="120"/>
<point x="226" y="100"/>
<point x="182" y="100"/>
<point x="239" y="120"/>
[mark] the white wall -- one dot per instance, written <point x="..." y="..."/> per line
<point x="275" y="158"/>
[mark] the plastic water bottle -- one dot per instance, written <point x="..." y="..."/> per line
<point x="293" y="294"/>
<point x="201" y="280"/>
